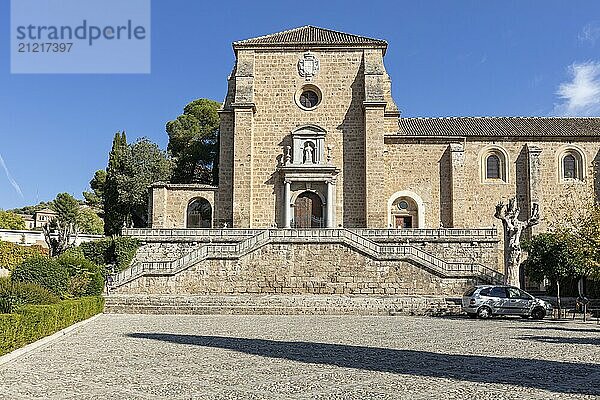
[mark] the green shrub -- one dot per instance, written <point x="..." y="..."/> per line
<point x="31" y="323"/>
<point x="12" y="254"/>
<point x="44" y="272"/>
<point x="85" y="277"/>
<point x="119" y="251"/>
<point x="98" y="251"/>
<point x="124" y="251"/>
<point x="13" y="294"/>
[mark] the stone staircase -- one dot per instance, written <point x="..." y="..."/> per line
<point x="283" y="305"/>
<point x="356" y="241"/>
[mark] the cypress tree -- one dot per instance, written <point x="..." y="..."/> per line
<point x="114" y="214"/>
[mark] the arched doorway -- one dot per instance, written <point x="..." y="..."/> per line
<point x="406" y="210"/>
<point x="308" y="211"/>
<point x="199" y="213"/>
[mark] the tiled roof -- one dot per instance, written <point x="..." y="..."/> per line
<point x="501" y="126"/>
<point x="309" y="35"/>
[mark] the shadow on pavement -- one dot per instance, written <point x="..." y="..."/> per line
<point x="563" y="340"/>
<point x="555" y="376"/>
<point x="559" y="328"/>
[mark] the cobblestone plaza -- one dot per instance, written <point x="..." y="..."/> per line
<point x="311" y="357"/>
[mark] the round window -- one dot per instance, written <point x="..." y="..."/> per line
<point x="403" y="205"/>
<point x="309" y="99"/>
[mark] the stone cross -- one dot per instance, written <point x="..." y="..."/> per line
<point x="513" y="228"/>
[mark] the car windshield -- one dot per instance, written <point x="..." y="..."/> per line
<point x="470" y="291"/>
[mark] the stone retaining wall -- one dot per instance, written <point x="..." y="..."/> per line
<point x="298" y="268"/>
<point x="282" y="304"/>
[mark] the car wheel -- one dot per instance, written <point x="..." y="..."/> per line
<point x="538" y="313"/>
<point x="484" y="312"/>
<point x="472" y="315"/>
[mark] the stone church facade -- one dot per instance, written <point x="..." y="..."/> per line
<point x="311" y="137"/>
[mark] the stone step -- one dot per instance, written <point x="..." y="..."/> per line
<point x="282" y="305"/>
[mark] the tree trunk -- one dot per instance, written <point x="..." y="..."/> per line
<point x="558" y="296"/>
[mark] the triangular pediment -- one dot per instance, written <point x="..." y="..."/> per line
<point x="310" y="36"/>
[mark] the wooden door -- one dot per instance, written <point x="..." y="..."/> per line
<point x="308" y="211"/>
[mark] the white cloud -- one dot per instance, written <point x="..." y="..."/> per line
<point x="590" y="33"/>
<point x="14" y="183"/>
<point x="581" y="95"/>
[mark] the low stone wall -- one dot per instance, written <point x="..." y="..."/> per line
<point x="282" y="304"/>
<point x="298" y="268"/>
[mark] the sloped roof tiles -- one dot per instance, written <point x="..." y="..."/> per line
<point x="310" y="35"/>
<point x="501" y="126"/>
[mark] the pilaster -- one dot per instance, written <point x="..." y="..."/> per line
<point x="243" y="143"/>
<point x="374" y="117"/>
<point x="457" y="190"/>
<point x="534" y="193"/>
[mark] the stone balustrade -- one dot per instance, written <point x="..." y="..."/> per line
<point x="352" y="239"/>
<point x="229" y="234"/>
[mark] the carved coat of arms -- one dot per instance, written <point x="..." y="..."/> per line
<point x="308" y="66"/>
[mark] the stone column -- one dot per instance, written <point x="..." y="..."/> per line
<point x="330" y="202"/>
<point x="286" y="204"/>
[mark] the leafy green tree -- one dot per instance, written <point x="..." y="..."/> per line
<point x="10" y="220"/>
<point x="555" y="256"/>
<point x="114" y="215"/>
<point x="67" y="208"/>
<point x="193" y="142"/>
<point x="145" y="163"/>
<point x="95" y="198"/>
<point x="586" y="232"/>
<point x="32" y="209"/>
<point x="89" y="222"/>
<point x="131" y="170"/>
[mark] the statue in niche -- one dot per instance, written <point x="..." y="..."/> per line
<point x="287" y="158"/>
<point x="513" y="228"/>
<point x="308" y="154"/>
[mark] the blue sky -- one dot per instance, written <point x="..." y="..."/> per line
<point x="445" y="58"/>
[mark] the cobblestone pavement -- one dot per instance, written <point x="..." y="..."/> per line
<point x="311" y="357"/>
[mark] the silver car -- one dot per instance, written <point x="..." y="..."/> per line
<point x="490" y="300"/>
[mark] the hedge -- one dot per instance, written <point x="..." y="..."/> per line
<point x="13" y="294"/>
<point x="12" y="254"/>
<point x="118" y="251"/>
<point x="30" y="323"/>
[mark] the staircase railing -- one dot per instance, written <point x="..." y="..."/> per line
<point x="352" y="239"/>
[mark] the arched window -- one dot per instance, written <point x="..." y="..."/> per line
<point x="199" y="214"/>
<point x="569" y="167"/>
<point x="493" y="161"/>
<point x="492" y="168"/>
